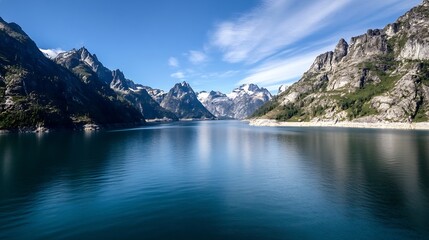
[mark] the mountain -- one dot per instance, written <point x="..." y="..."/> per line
<point x="89" y="68"/>
<point x="217" y="103"/>
<point x="239" y="104"/>
<point x="37" y="93"/>
<point x="380" y="76"/>
<point x="157" y="94"/>
<point x="183" y="101"/>
<point x="83" y="63"/>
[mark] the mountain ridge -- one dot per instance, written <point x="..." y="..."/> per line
<point x="86" y="66"/>
<point x="239" y="104"/>
<point x="36" y="93"/>
<point x="380" y="76"/>
<point x="183" y="101"/>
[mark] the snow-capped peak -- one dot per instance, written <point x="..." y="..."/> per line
<point x="184" y="84"/>
<point x="249" y="89"/>
<point x="202" y="96"/>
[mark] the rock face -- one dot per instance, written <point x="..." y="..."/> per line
<point x="239" y="104"/>
<point x="37" y="93"/>
<point x="183" y="101"/>
<point x="89" y="68"/>
<point x="381" y="76"/>
<point x="157" y="94"/>
<point x="217" y="103"/>
<point x="84" y="63"/>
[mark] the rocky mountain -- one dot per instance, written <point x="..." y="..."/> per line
<point x="380" y="76"/>
<point x="239" y="104"/>
<point x="46" y="89"/>
<point x="86" y="65"/>
<point x="83" y="63"/>
<point x="37" y="93"/>
<point x="217" y="103"/>
<point x="157" y="94"/>
<point x="183" y="101"/>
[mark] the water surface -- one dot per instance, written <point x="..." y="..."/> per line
<point x="215" y="180"/>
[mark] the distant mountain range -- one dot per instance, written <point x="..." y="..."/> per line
<point x="239" y="104"/>
<point x="380" y="76"/>
<point x="40" y="91"/>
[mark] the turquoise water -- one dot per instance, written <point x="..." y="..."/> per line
<point x="215" y="180"/>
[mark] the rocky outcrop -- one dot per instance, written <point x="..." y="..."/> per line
<point x="120" y="83"/>
<point x="182" y="101"/>
<point x="381" y="75"/>
<point x="341" y="50"/>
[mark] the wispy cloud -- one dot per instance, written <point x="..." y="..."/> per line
<point x="277" y="72"/>
<point x="280" y="39"/>
<point x="271" y="27"/>
<point x="218" y="75"/>
<point x="52" y="53"/>
<point x="275" y="25"/>
<point x="196" y="57"/>
<point x="178" y="75"/>
<point x="173" y="62"/>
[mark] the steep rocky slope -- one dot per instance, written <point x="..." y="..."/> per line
<point x="35" y="92"/>
<point x="239" y="104"/>
<point x="87" y="67"/>
<point x="157" y="94"/>
<point x="380" y="76"/>
<point x="183" y="101"/>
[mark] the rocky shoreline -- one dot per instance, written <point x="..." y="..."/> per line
<point x="380" y="125"/>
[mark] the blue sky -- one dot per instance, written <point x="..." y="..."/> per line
<point x="212" y="44"/>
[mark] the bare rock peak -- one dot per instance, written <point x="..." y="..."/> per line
<point x="341" y="50"/>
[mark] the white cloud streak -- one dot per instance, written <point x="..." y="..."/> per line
<point x="278" y="24"/>
<point x="281" y="38"/>
<point x="197" y="57"/>
<point x="178" y="75"/>
<point x="173" y="62"/>
<point x="270" y="28"/>
<point x="279" y="71"/>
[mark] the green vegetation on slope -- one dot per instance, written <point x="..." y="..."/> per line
<point x="267" y="107"/>
<point x="357" y="103"/>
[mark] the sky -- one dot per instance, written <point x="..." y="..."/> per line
<point x="212" y="44"/>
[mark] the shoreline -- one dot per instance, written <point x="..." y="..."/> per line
<point x="381" y="125"/>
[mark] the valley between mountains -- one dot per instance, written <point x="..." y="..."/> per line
<point x="379" y="77"/>
<point x="74" y="90"/>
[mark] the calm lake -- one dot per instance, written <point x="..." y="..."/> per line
<point x="215" y="180"/>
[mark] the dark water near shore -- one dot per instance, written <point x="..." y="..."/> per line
<point x="215" y="180"/>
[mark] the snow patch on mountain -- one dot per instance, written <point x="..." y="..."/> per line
<point x="51" y="53"/>
<point x="238" y="104"/>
